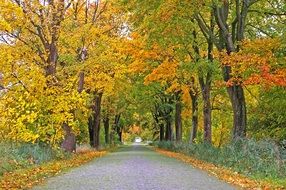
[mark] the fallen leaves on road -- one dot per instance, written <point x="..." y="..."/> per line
<point x="220" y="172"/>
<point x="26" y="178"/>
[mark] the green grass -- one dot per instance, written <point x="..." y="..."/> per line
<point x="257" y="159"/>
<point x="17" y="156"/>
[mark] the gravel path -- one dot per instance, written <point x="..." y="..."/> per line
<point x="135" y="168"/>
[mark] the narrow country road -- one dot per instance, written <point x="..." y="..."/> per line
<point x="135" y="168"/>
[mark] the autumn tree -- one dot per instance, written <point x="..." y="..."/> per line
<point x="200" y="30"/>
<point x="31" y="30"/>
<point x="68" y="46"/>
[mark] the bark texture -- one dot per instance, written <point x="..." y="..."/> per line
<point x="118" y="128"/>
<point x="178" y="121"/>
<point x="236" y="91"/>
<point x="106" y="130"/>
<point x="195" y="120"/>
<point x="94" y="121"/>
<point x="161" y="125"/>
<point x="168" y="133"/>
<point x="69" y="142"/>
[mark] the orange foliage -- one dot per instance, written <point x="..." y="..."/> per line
<point x="135" y="129"/>
<point x="256" y="63"/>
<point x="165" y="72"/>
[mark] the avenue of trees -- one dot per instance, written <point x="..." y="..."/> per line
<point x="99" y="72"/>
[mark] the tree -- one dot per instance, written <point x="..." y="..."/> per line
<point x="54" y="42"/>
<point x="32" y="34"/>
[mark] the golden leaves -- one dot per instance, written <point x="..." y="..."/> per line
<point x="138" y="67"/>
<point x="11" y="16"/>
<point x="165" y="72"/>
<point x="38" y="113"/>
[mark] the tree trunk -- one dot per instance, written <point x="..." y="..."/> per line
<point x="80" y="82"/>
<point x="156" y="116"/>
<point x="161" y="125"/>
<point x="117" y="127"/>
<point x="52" y="59"/>
<point x="168" y="134"/>
<point x="120" y="136"/>
<point x="195" y="110"/>
<point x="236" y="94"/>
<point x="69" y="143"/>
<point x="94" y="122"/>
<point x="111" y="137"/>
<point x="237" y="98"/>
<point x="207" y="114"/>
<point x="106" y="129"/>
<point x="178" y="121"/>
<point x="97" y="121"/>
<point x="91" y="129"/>
<point x="206" y="93"/>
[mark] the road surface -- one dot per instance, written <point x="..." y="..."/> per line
<point x="135" y="167"/>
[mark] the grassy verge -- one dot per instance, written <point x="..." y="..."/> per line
<point x="246" y="163"/>
<point x="23" y="155"/>
<point x="29" y="174"/>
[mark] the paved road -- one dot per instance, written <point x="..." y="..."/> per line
<point x="135" y="168"/>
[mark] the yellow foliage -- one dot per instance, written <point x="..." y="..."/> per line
<point x="34" y="105"/>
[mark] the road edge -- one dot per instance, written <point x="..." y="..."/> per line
<point x="221" y="173"/>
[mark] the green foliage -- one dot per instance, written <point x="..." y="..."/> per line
<point x="268" y="118"/>
<point x="257" y="159"/>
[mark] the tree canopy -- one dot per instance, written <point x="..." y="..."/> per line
<point x="195" y="71"/>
